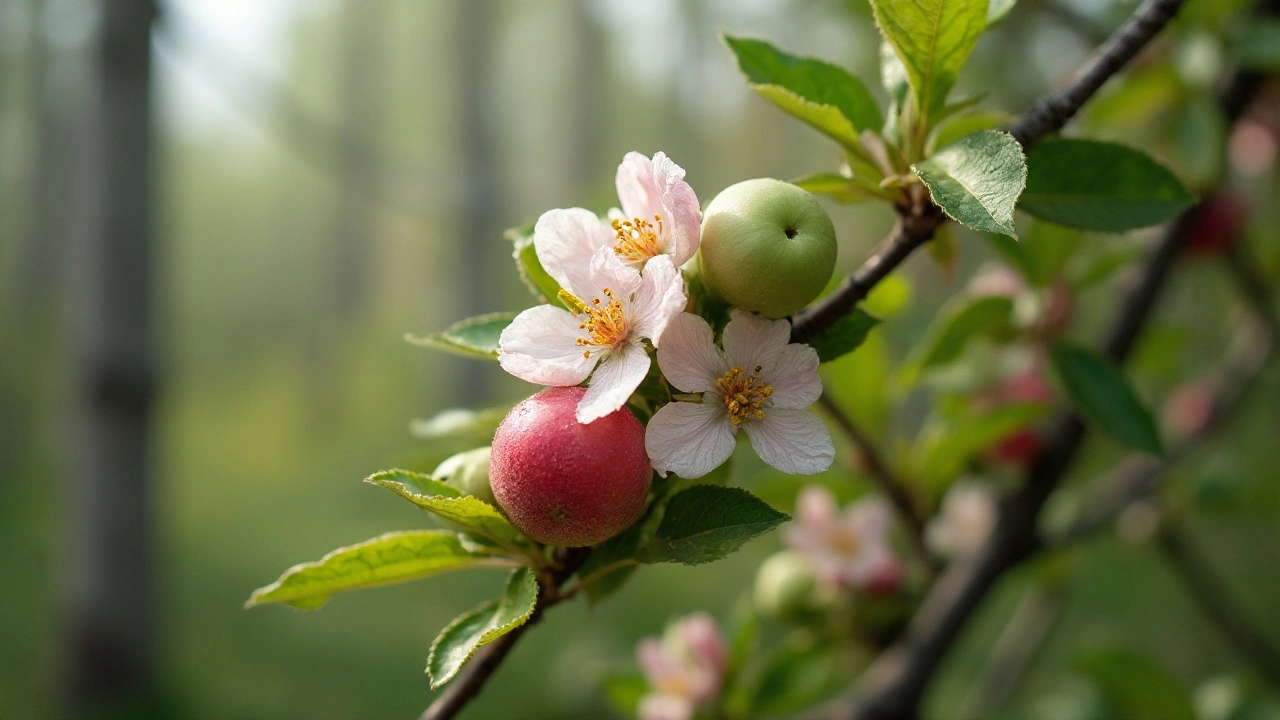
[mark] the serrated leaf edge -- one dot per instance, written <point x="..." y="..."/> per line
<point x="255" y="598"/>
<point x="489" y="635"/>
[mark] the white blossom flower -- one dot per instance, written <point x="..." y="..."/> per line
<point x="760" y="383"/>
<point x="849" y="548"/>
<point x="615" y="309"/>
<point x="685" y="668"/>
<point x="968" y="513"/>
<point x="659" y="216"/>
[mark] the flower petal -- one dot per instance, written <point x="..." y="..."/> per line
<point x="750" y="340"/>
<point x="793" y="441"/>
<point x="688" y="357"/>
<point x="606" y="270"/>
<point x="656" y="665"/>
<point x="540" y="346"/>
<point x="869" y="518"/>
<point x="660" y="299"/>
<point x="689" y="439"/>
<point x="618" y="375"/>
<point x="638" y="191"/>
<point x="795" y="378"/>
<point x="565" y="240"/>
<point x="655" y="706"/>
<point x="680" y="214"/>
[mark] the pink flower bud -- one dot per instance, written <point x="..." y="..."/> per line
<point x="1189" y="409"/>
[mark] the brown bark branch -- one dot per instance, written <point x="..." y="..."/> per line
<point x="888" y="482"/>
<point x="1051" y="113"/>
<point x="473" y="677"/>
<point x="1209" y="593"/>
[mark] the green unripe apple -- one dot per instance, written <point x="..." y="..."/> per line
<point x="785" y="586"/>
<point x="469" y="472"/>
<point x="767" y="247"/>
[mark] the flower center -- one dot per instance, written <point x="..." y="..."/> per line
<point x="637" y="240"/>
<point x="605" y="323"/>
<point x="844" y="541"/>
<point x="744" y="395"/>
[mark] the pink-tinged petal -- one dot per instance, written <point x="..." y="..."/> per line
<point x="664" y="707"/>
<point x="751" y="341"/>
<point x="689" y="439"/>
<point x="658" y="667"/>
<point x="565" y="240"/>
<point x="617" y="376"/>
<point x="793" y="441"/>
<point x="869" y="519"/>
<point x="639" y="193"/>
<point x="795" y="378"/>
<point x="816" y="507"/>
<point x="540" y="346"/>
<point x="701" y="635"/>
<point x="682" y="219"/>
<point x="689" y="357"/>
<point x="659" y="300"/>
<point x="606" y="271"/>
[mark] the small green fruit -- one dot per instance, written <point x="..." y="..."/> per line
<point x="767" y="247"/>
<point x="785" y="586"/>
<point x="469" y="472"/>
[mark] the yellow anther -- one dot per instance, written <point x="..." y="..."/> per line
<point x="637" y="240"/>
<point x="744" y="395"/>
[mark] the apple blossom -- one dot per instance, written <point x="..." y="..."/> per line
<point x="659" y="216"/>
<point x="968" y="513"/>
<point x="615" y="309"/>
<point x="685" y="669"/>
<point x="760" y="383"/>
<point x="849" y="548"/>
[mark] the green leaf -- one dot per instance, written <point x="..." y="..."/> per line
<point x="1100" y="186"/>
<point x="460" y="424"/>
<point x="967" y="124"/>
<point x="823" y="95"/>
<point x="843" y="336"/>
<point x="997" y="10"/>
<point x="838" y="187"/>
<point x="540" y="283"/>
<point x="469" y="632"/>
<point x="977" y="180"/>
<point x="933" y="38"/>
<point x="385" y="560"/>
<point x="1139" y="687"/>
<point x="475" y="337"/>
<point x="449" y="503"/>
<point x="1103" y="395"/>
<point x="962" y="323"/>
<point x="1258" y="47"/>
<point x="708" y="522"/>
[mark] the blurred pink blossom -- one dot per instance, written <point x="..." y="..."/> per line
<point x="685" y="668"/>
<point x="968" y="513"/>
<point x="849" y="548"/>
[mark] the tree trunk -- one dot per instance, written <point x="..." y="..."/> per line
<point x="109" y="667"/>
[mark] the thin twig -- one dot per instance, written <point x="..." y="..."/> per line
<point x="1209" y="593"/>
<point x="1015" y="650"/>
<point x="888" y="482"/>
<point x="1051" y="113"/>
<point x="473" y="677"/>
<point x="914" y="228"/>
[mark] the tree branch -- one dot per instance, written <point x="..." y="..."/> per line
<point x="1051" y="113"/>
<point x="1208" y="591"/>
<point x="476" y="673"/>
<point x="1014" y="651"/>
<point x="887" y="481"/>
<point x="914" y="228"/>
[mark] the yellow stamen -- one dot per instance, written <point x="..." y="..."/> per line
<point x="637" y="240"/>
<point x="745" y="396"/>
<point x="605" y="324"/>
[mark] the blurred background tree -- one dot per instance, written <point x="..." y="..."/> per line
<point x="325" y="175"/>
